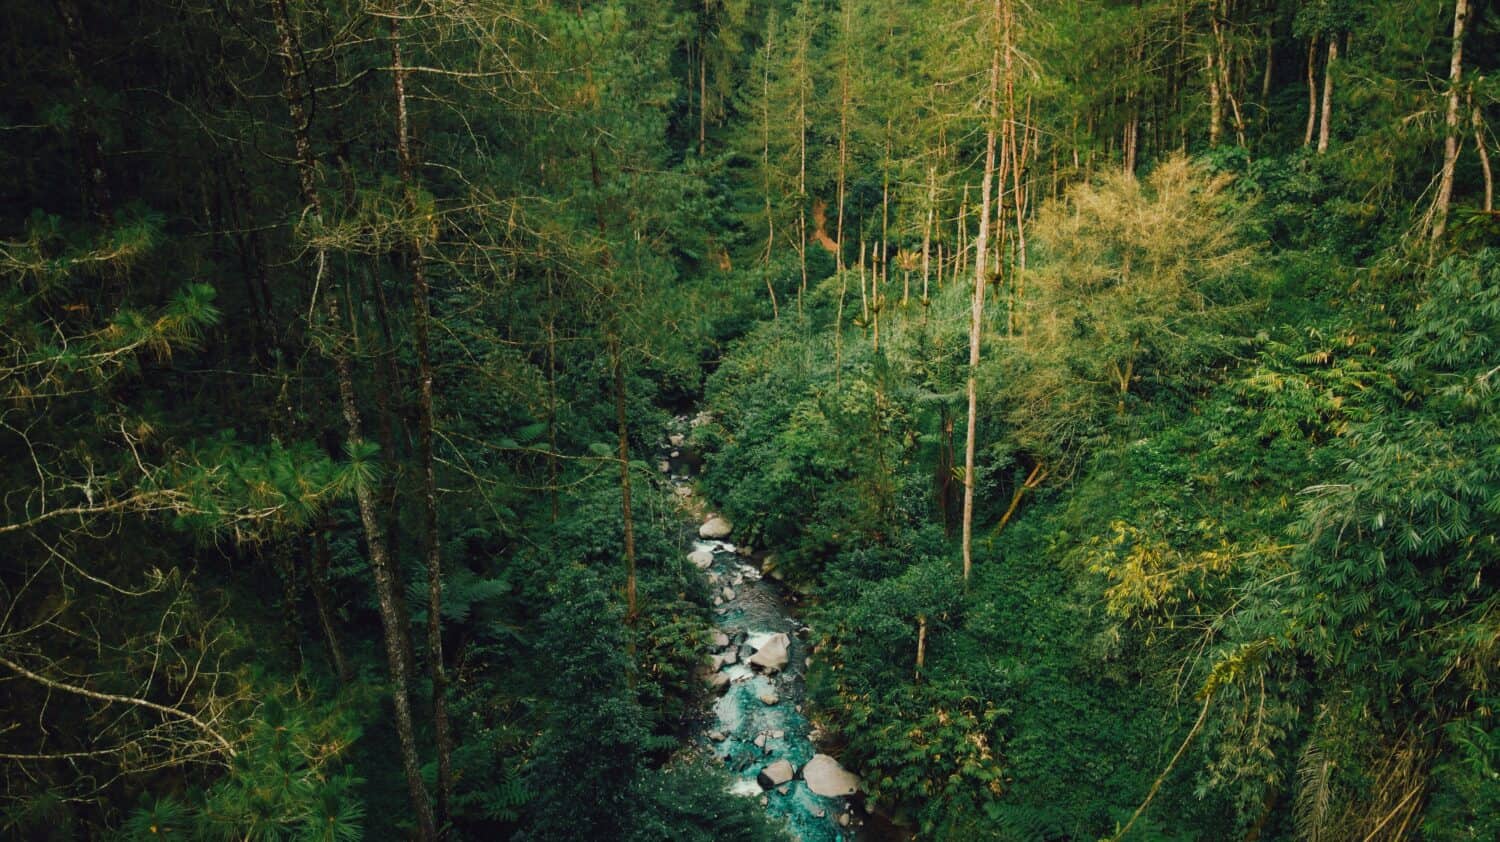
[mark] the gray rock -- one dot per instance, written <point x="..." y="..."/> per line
<point x="730" y="657"/>
<point x="703" y="559"/>
<point x="715" y="529"/>
<point x="728" y="593"/>
<point x="674" y="454"/>
<point x="826" y="777"/>
<point x="772" y="657"/>
<point x="775" y="774"/>
<point x="664" y="466"/>
<point x="760" y="741"/>
<point x="676" y="439"/>
<point x="717" y="682"/>
<point x="718" y="736"/>
<point x="777" y="734"/>
<point x="721" y="640"/>
<point x="843" y="819"/>
<point x="768" y="697"/>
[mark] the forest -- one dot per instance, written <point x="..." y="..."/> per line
<point x="1108" y="392"/>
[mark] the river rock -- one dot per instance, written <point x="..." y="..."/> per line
<point x="768" y="697"/>
<point x="777" y="734"/>
<point x="775" y="774"/>
<point x="702" y="559"/>
<point x="718" y="736"/>
<point x="664" y="466"/>
<point x="721" y="640"/>
<point x="843" y="819"/>
<point x="826" y="777"/>
<point x="772" y="656"/>
<point x="715" y="529"/>
<point x="676" y="439"/>
<point x="760" y="740"/>
<point x="717" y="682"/>
<point x="728" y="593"/>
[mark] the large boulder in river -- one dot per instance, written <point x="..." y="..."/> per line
<point x="703" y="559"/>
<point x="715" y="529"/>
<point x="827" y="778"/>
<point x="772" y="655"/>
<point x="775" y="774"/>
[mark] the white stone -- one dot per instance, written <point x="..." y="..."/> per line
<point x="768" y="697"/>
<point x="715" y="528"/>
<point x="772" y="655"/>
<point x="827" y="778"/>
<point x="776" y="774"/>
<point x="703" y="559"/>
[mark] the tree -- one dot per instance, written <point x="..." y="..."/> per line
<point x="981" y="280"/>
<point x="421" y="317"/>
<point x="1134" y="279"/>
<point x="392" y="614"/>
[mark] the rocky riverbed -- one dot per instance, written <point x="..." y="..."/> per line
<point x="757" y="725"/>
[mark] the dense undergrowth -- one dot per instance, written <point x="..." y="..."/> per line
<point x="1273" y="555"/>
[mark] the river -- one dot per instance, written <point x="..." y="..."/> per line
<point x="757" y="724"/>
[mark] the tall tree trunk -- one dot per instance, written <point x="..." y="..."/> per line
<point x="802" y="180"/>
<point x="844" y="104"/>
<point x="921" y="644"/>
<point x="1484" y="156"/>
<point x="864" y="294"/>
<point x="432" y="540"/>
<point x="976" y="308"/>
<point x="927" y="230"/>
<point x="1312" y="91"/>
<point x="1215" y="97"/>
<point x="1450" y="139"/>
<point x="1226" y="76"/>
<point x="1326" y="118"/>
<point x="387" y="589"/>
<point x="1265" y="79"/>
<point x="702" y="96"/>
<point x="765" y="162"/>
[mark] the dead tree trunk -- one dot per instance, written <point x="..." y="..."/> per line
<point x="1450" y="137"/>
<point x="976" y="308"/>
